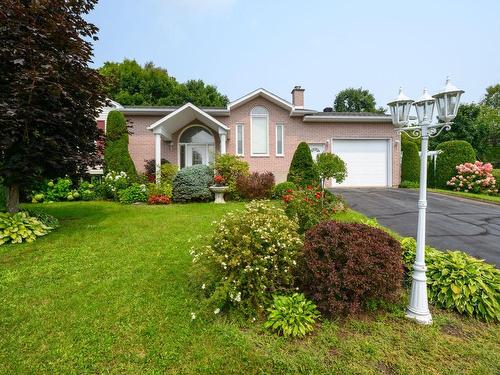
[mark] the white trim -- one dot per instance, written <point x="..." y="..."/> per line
<point x="184" y="107"/>
<point x="389" y="153"/>
<point x="282" y="125"/>
<point x="261" y="92"/>
<point x="242" y="125"/>
<point x="343" y="118"/>
<point x="266" y="116"/>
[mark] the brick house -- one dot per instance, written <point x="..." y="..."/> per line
<point x="265" y="130"/>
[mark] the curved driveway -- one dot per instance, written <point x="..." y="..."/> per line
<point x="452" y="223"/>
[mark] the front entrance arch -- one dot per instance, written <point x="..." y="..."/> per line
<point x="196" y="146"/>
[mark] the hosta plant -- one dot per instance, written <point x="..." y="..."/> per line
<point x="20" y="227"/>
<point x="459" y="281"/>
<point x="292" y="315"/>
<point x="251" y="255"/>
<point x="474" y="178"/>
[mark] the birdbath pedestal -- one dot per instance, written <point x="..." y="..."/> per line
<point x="219" y="193"/>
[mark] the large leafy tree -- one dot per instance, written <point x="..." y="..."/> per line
<point x="49" y="96"/>
<point x="132" y="84"/>
<point x="355" y="100"/>
<point x="492" y="96"/>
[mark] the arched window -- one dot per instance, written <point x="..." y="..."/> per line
<point x="196" y="146"/>
<point x="259" y="131"/>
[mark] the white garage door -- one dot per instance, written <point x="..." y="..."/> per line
<point x="367" y="161"/>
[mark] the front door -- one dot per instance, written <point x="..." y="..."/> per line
<point x="199" y="154"/>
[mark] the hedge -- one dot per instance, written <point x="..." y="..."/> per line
<point x="302" y="170"/>
<point x="116" y="154"/>
<point x="453" y="153"/>
<point x="192" y="184"/>
<point x="410" y="165"/>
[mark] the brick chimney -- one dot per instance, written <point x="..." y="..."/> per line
<point x="298" y="97"/>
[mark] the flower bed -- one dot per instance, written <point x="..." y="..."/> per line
<point x="474" y="178"/>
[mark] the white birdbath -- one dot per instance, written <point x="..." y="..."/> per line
<point x="219" y="193"/>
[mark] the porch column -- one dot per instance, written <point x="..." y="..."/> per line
<point x="158" y="158"/>
<point x="223" y="140"/>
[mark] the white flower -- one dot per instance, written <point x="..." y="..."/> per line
<point x="238" y="297"/>
<point x="216" y="311"/>
<point x="203" y="286"/>
<point x="193" y="316"/>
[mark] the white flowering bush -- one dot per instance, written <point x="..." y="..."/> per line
<point x="113" y="183"/>
<point x="474" y="178"/>
<point x="251" y="255"/>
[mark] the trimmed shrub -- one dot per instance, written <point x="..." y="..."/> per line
<point x="133" y="194"/>
<point x="255" y="186"/>
<point x="191" y="184"/>
<point x="331" y="166"/>
<point x="292" y="315"/>
<point x="409" y="185"/>
<point x="453" y="153"/>
<point x="279" y="190"/>
<point x="474" y="178"/>
<point x="302" y="170"/>
<point x="349" y="267"/>
<point x="250" y="256"/>
<point x="116" y="153"/>
<point x="168" y="172"/>
<point x="458" y="281"/>
<point x="230" y="167"/>
<point x="310" y="206"/>
<point x="410" y="165"/>
<point x="20" y="227"/>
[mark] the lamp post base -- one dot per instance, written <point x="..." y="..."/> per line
<point x="425" y="319"/>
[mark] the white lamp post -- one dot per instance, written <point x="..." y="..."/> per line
<point x="447" y="104"/>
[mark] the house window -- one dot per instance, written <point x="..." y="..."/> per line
<point x="239" y="139"/>
<point x="260" y="131"/>
<point x="316" y="149"/>
<point x="280" y="139"/>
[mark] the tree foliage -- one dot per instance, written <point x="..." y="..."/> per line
<point x="410" y="164"/>
<point x="331" y="166"/>
<point x="302" y="170"/>
<point x="49" y="96"/>
<point x="355" y="100"/>
<point x="116" y="155"/>
<point x="492" y="96"/>
<point x="132" y="84"/>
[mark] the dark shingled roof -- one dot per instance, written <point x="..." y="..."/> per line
<point x="367" y="114"/>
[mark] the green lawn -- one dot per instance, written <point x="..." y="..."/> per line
<point x="478" y="197"/>
<point x="111" y="292"/>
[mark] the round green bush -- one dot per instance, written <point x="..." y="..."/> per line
<point x="282" y="188"/>
<point x="191" y="184"/>
<point x="349" y="267"/>
<point x="251" y="255"/>
<point x="116" y="153"/>
<point x="452" y="154"/>
<point x="302" y="170"/>
<point x="410" y="165"/>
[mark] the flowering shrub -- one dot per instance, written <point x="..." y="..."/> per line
<point x="159" y="199"/>
<point x="51" y="191"/>
<point x="310" y="206"/>
<point x="88" y="191"/>
<point x="20" y="227"/>
<point x="113" y="183"/>
<point x="458" y="281"/>
<point x="250" y="256"/>
<point x="282" y="188"/>
<point x="134" y="193"/>
<point x="255" y="186"/>
<point x="474" y="178"/>
<point x="219" y="180"/>
<point x="292" y="315"/>
<point x="347" y="267"/>
<point x="164" y="189"/>
<point x="230" y="167"/>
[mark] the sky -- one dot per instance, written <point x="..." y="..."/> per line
<point x="323" y="46"/>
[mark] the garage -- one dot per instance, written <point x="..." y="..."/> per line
<point x="367" y="161"/>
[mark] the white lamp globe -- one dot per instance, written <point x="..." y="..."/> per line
<point x="425" y="107"/>
<point x="448" y="101"/>
<point x="400" y="109"/>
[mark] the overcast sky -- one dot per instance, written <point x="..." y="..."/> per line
<point x="324" y="46"/>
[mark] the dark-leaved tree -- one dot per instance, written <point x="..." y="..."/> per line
<point x="49" y="96"/>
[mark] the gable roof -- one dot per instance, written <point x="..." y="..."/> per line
<point x="347" y="117"/>
<point x="263" y="93"/>
<point x="168" y="124"/>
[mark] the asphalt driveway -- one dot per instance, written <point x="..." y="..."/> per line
<point x="452" y="223"/>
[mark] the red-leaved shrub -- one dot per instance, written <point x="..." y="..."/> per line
<point x="255" y="186"/>
<point x="349" y="265"/>
<point x="159" y="199"/>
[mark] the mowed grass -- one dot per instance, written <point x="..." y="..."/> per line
<point x="111" y="291"/>
<point x="477" y="197"/>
